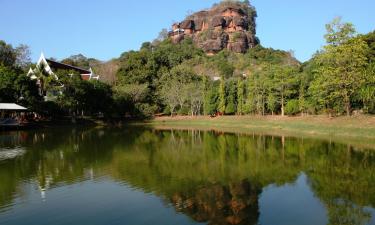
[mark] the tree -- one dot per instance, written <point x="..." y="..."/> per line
<point x="211" y="98"/>
<point x="99" y="97"/>
<point x="170" y="93"/>
<point x="305" y="79"/>
<point x="341" y="67"/>
<point x="23" y="58"/>
<point x="81" y="61"/>
<point x="18" y="88"/>
<point x="370" y="40"/>
<point x="136" y="92"/>
<point x="107" y="71"/>
<point x="284" y="80"/>
<point x="72" y="98"/>
<point x="8" y="56"/>
<point x="195" y="90"/>
<point x="8" y="77"/>
<point x="271" y="103"/>
<point x="226" y="70"/>
<point x="133" y="99"/>
<point x="163" y="35"/>
<point x="292" y="107"/>
<point x="146" y="46"/>
<point x="258" y="87"/>
<point x="46" y="81"/>
<point x="339" y="33"/>
<point x="367" y="90"/>
<point x="240" y="97"/>
<point x="230" y="107"/>
<point x="222" y="96"/>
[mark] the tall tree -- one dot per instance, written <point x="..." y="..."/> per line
<point x="341" y="66"/>
<point x="195" y="92"/>
<point x="211" y="98"/>
<point x="271" y="103"/>
<point x="338" y="33"/>
<point x="23" y="58"/>
<point x="367" y="90"/>
<point x="18" y="88"/>
<point x="230" y="107"/>
<point x="284" y="80"/>
<point x="222" y="96"/>
<point x="240" y="96"/>
<point x="8" y="56"/>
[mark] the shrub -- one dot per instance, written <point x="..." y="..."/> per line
<point x="292" y="107"/>
<point x="145" y="110"/>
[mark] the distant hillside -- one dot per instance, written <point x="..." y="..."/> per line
<point x="107" y="70"/>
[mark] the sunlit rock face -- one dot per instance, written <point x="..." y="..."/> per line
<point x="228" y="25"/>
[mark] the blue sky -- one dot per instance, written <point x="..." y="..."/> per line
<point x="103" y="29"/>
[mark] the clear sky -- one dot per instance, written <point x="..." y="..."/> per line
<point x="103" y="29"/>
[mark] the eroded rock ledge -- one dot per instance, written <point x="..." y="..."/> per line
<point x="228" y="25"/>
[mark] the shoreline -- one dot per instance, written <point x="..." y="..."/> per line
<point x="358" y="130"/>
<point x="355" y="130"/>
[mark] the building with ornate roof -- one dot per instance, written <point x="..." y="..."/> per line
<point x="50" y="67"/>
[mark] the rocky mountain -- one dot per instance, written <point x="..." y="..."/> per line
<point x="227" y="25"/>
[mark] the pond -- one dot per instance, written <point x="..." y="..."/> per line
<point x="139" y="175"/>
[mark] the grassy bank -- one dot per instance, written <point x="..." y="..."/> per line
<point x="359" y="131"/>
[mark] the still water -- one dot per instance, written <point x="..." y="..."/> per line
<point x="148" y="176"/>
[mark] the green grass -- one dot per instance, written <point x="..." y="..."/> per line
<point x="358" y="131"/>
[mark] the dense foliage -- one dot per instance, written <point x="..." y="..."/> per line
<point x="338" y="79"/>
<point x="15" y="87"/>
<point x="77" y="97"/>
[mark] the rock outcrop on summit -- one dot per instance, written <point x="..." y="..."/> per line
<point x="228" y="25"/>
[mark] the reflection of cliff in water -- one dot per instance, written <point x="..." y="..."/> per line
<point x="233" y="204"/>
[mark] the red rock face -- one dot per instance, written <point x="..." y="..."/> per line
<point x="220" y="205"/>
<point x="229" y="25"/>
<point x="231" y="13"/>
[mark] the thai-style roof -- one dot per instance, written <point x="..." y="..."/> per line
<point x="51" y="66"/>
<point x="61" y="66"/>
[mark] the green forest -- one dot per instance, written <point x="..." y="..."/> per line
<point x="163" y="78"/>
<point x="177" y="79"/>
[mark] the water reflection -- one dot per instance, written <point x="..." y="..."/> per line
<point x="236" y="203"/>
<point x="211" y="177"/>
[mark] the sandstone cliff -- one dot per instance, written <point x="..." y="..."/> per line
<point x="228" y="25"/>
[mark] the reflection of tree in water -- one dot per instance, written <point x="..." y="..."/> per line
<point x="54" y="157"/>
<point x="344" y="212"/>
<point x="233" y="204"/>
<point x="210" y="176"/>
<point x="344" y="180"/>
